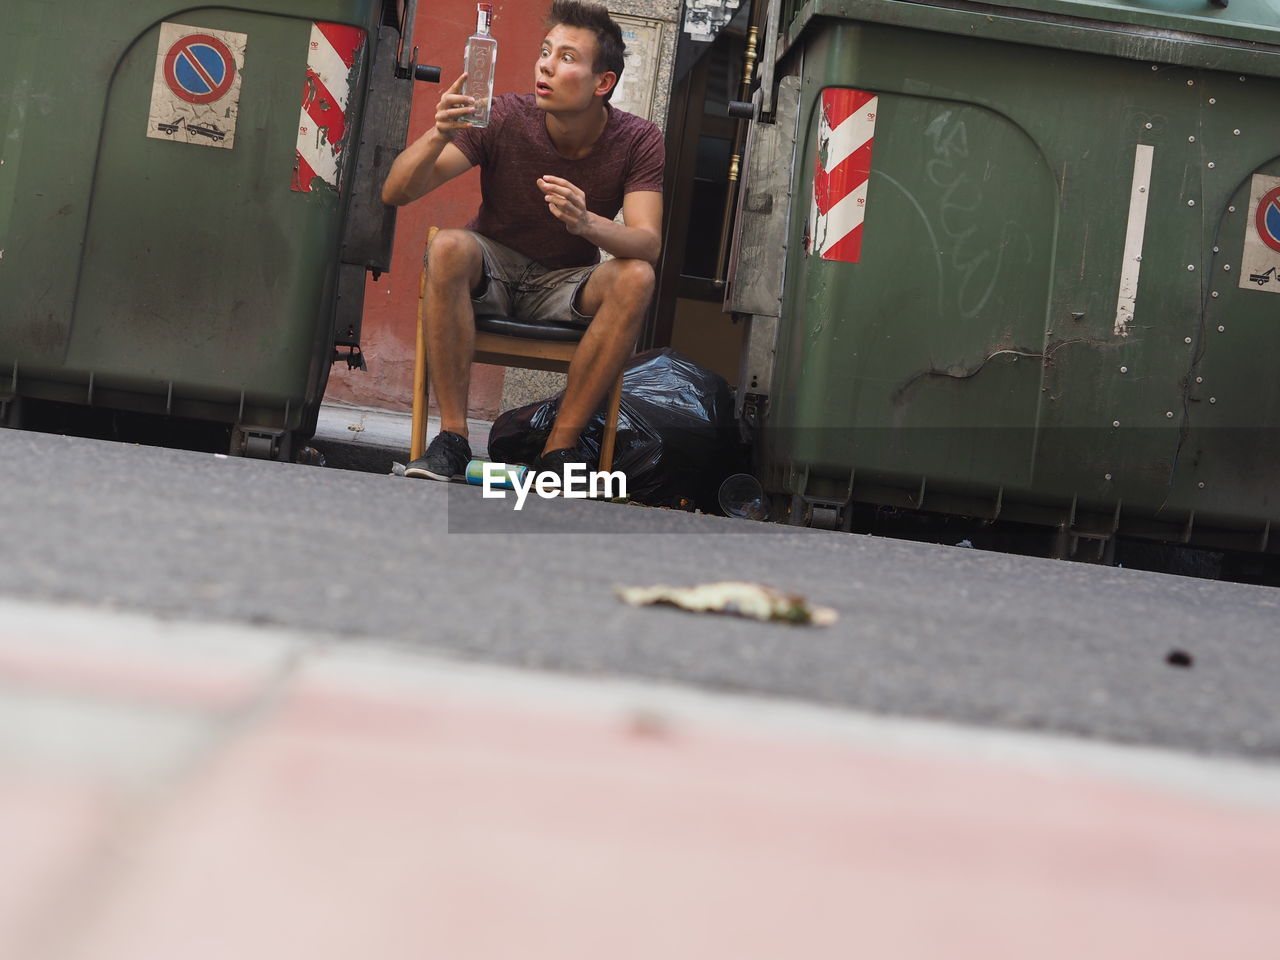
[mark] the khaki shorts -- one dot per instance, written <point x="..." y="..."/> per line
<point x="518" y="287"/>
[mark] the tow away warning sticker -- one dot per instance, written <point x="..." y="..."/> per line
<point x="196" y="91"/>
<point x="1260" y="264"/>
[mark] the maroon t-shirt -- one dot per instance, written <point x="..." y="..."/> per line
<point x="514" y="150"/>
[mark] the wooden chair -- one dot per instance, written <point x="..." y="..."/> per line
<point x="507" y="342"/>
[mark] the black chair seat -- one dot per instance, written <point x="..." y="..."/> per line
<point x="508" y="327"/>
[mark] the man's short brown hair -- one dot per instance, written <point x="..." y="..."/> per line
<point x="610" y="48"/>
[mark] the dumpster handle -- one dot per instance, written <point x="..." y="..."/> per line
<point x="407" y="66"/>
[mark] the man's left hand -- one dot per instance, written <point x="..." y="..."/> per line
<point x="566" y="202"/>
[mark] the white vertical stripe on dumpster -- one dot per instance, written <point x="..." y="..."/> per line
<point x="1131" y="266"/>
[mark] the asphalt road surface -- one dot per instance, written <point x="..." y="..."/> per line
<point x="924" y="630"/>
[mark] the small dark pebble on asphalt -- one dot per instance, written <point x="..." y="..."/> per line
<point x="1179" y="658"/>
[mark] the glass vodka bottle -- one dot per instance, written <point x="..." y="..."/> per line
<point x="479" y="63"/>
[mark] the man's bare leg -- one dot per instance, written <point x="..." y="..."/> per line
<point x="455" y="267"/>
<point x="616" y="297"/>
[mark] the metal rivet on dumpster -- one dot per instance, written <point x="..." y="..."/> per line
<point x="1199" y="379"/>
<point x="1212" y="100"/>
<point x="1155" y="67"/>
<point x="1221" y="328"/>
<point x="1137" y="259"/>
<point x="1186" y="339"/>
<point x="1124" y="369"/>
<point x="1211" y="164"/>
<point x="1235" y="133"/>
<point x="1115" y="423"/>
<point x="1227" y="267"/>
<point x="1231" y="209"/>
<point x="1242" y="79"/>
<point x="1213" y="399"/>
<point x="1191" y="83"/>
<point x="1215" y="249"/>
<point x="1142" y="189"/>
<point x="1191" y="203"/>
<point x="1106" y="476"/>
<point x="1169" y="414"/>
<point x="1148" y="125"/>
<point x="1200" y="484"/>
<point x="1214" y="294"/>
<point x="1191" y="266"/>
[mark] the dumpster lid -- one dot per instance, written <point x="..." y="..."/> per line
<point x="1257" y="20"/>
<point x="1243" y="37"/>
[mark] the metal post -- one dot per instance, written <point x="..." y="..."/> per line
<point x="735" y="161"/>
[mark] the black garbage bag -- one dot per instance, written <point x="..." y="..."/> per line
<point x="677" y="437"/>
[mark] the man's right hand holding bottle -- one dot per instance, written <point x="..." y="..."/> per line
<point x="431" y="159"/>
<point x="453" y="105"/>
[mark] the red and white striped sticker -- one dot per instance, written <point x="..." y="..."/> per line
<point x="322" y="126"/>
<point x="846" y="133"/>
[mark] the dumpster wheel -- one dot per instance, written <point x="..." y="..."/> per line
<point x="261" y="443"/>
<point x="818" y="513"/>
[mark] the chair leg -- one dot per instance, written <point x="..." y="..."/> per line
<point x="418" y="428"/>
<point x="611" y="426"/>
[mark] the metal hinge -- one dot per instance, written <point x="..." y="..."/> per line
<point x="354" y="357"/>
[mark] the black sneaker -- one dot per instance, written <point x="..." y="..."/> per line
<point x="555" y="461"/>
<point x="446" y="458"/>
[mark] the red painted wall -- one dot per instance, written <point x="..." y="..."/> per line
<point x="391" y="303"/>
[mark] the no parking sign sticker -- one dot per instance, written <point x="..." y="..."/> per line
<point x="1260" y="265"/>
<point x="195" y="94"/>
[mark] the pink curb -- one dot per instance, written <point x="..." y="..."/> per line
<point x="355" y="825"/>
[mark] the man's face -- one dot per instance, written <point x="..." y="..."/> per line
<point x="563" y="76"/>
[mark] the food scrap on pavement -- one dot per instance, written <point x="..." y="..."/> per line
<point x="737" y="598"/>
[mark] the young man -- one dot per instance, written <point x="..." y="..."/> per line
<point x="556" y="166"/>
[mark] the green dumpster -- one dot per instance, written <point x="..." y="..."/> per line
<point x="186" y="212"/>
<point x="1032" y="258"/>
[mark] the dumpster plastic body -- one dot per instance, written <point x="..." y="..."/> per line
<point x="177" y="238"/>
<point x="1050" y="301"/>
